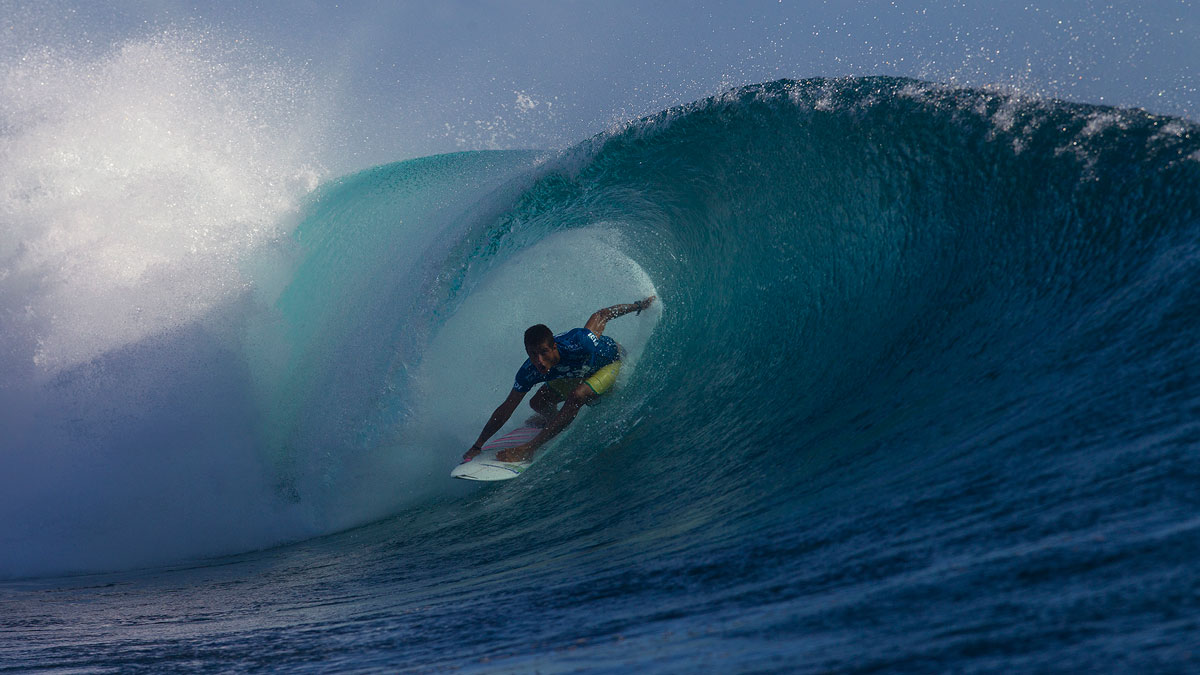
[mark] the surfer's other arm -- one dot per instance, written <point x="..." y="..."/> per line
<point x="598" y="320"/>
<point x="499" y="417"/>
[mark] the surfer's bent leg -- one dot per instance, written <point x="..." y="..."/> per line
<point x="582" y="394"/>
<point x="545" y="401"/>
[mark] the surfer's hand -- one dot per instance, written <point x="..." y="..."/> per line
<point x="643" y="304"/>
<point x="471" y="454"/>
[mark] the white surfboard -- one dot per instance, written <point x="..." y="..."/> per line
<point x="485" y="466"/>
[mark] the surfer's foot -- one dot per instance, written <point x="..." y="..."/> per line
<point x="538" y="421"/>
<point x="520" y="453"/>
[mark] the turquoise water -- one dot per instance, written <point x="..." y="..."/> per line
<point x="921" y="395"/>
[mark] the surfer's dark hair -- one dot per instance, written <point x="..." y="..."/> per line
<point x="536" y="336"/>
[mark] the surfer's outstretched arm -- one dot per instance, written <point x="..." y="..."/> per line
<point x="497" y="420"/>
<point x="598" y="320"/>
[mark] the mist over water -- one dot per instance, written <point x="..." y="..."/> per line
<point x="139" y="186"/>
<point x="135" y="183"/>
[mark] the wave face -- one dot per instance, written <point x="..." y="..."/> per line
<point x="921" y="393"/>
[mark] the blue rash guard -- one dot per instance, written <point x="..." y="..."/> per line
<point x="581" y="353"/>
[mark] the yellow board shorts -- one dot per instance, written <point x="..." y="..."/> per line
<point x="599" y="382"/>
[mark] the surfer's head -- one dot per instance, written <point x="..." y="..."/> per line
<point x="540" y="346"/>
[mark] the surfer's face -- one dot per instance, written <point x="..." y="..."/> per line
<point x="544" y="356"/>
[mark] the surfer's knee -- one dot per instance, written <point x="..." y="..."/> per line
<point x="545" y="399"/>
<point x="581" y="395"/>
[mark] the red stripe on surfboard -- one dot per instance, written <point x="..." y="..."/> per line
<point x="514" y="437"/>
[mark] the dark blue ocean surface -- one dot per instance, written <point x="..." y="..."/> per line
<point x="922" y="395"/>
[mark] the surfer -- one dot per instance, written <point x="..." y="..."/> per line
<point x="576" y="366"/>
